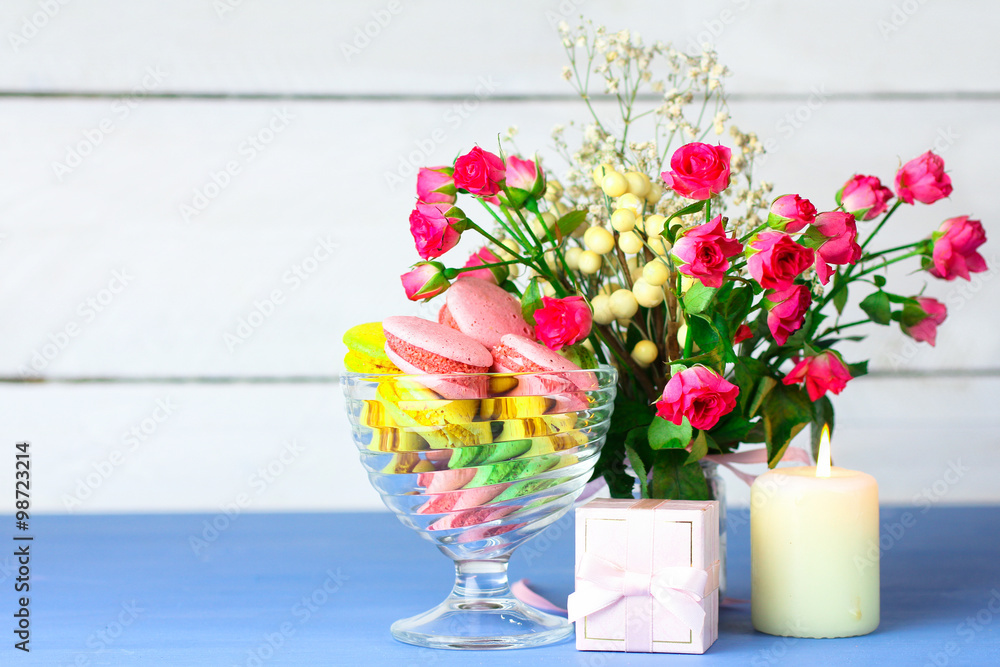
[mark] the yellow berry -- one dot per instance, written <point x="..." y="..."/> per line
<point x="648" y="296"/>
<point x="682" y="332"/>
<point x="623" y="219"/>
<point x="572" y="256"/>
<point x="631" y="202"/>
<point x="551" y="261"/>
<point x="614" y="185"/>
<point x="687" y="282"/>
<point x="655" y="273"/>
<point x="589" y="262"/>
<point x="653" y="225"/>
<point x="607" y="288"/>
<point x="553" y="190"/>
<point x="599" y="240"/>
<point x="638" y="183"/>
<point x="602" y="311"/>
<point x="600" y="171"/>
<point x="547" y="288"/>
<point x="630" y="242"/>
<point x="654" y="194"/>
<point x="634" y="270"/>
<point x="645" y="352"/>
<point x="623" y="304"/>
<point x="659" y="245"/>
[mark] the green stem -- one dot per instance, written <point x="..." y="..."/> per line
<point x="886" y="252"/>
<point x="889" y="263"/>
<point x="840" y="327"/>
<point x="753" y="233"/>
<point x="503" y="224"/>
<point x="491" y="238"/>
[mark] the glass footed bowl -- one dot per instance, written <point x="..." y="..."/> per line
<point x="478" y="464"/>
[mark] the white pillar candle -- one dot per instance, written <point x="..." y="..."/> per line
<point x="814" y="555"/>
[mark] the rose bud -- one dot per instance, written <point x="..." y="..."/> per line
<point x="923" y="179"/>
<point x="955" y="245"/>
<point x="921" y="322"/>
<point x="425" y="281"/>
<point x="436" y="228"/>
<point x="820" y="373"/>
<point x="435" y="185"/>
<point x="786" y="311"/>
<point x="864" y="197"/>
<point x="791" y="213"/>
<point x="698" y="171"/>
<point x="700" y="394"/>
<point x="479" y="172"/>
<point x="562" y="322"/>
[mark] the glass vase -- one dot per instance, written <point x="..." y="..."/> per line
<point x="477" y="465"/>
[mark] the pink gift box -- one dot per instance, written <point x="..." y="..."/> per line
<point x="647" y="576"/>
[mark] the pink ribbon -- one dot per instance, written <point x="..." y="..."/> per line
<point x="601" y="583"/>
<point x="523" y="592"/>
<point x="759" y="455"/>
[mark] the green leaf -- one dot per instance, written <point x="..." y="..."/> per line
<point x="531" y="301"/>
<point x="764" y="387"/>
<point x="690" y="208"/>
<point x="698" y="296"/>
<point x="569" y="222"/>
<point x="840" y="295"/>
<point x="879" y="280"/>
<point x="822" y="415"/>
<point x="911" y="315"/>
<point x="676" y="480"/>
<point x="667" y="435"/>
<point x="876" y="306"/>
<point x="786" y="412"/>
<point x="858" y="369"/>
<point x="635" y="440"/>
<point x="709" y="341"/>
<point x="735" y="305"/>
<point x="731" y="429"/>
<point x="699" y="448"/>
<point x="629" y="414"/>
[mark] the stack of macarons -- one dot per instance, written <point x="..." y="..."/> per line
<point x="474" y="442"/>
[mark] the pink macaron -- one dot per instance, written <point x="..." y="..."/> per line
<point x="483" y="311"/>
<point x="420" y="346"/>
<point x="552" y="374"/>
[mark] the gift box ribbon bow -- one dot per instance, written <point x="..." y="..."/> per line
<point x="601" y="583"/>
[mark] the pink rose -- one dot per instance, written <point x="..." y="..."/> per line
<point x="426" y="280"/>
<point x="865" y="197"/>
<point x="923" y="179"/>
<point x="835" y="234"/>
<point x="479" y="172"/>
<point x="791" y="213"/>
<point x="821" y="373"/>
<point x="778" y="260"/>
<point x="700" y="394"/>
<point x="698" y="171"/>
<point x="787" y="310"/>
<point x="494" y="274"/>
<point x="925" y="330"/>
<point x="525" y="175"/>
<point x="955" y="246"/>
<point x="703" y="252"/>
<point x="436" y="185"/>
<point x="434" y="231"/>
<point x="562" y="322"/>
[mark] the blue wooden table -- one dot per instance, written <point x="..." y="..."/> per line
<point x="322" y="589"/>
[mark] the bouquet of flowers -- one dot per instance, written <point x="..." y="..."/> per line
<point x="720" y="305"/>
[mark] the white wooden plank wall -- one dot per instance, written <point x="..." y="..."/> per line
<point x="167" y="169"/>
